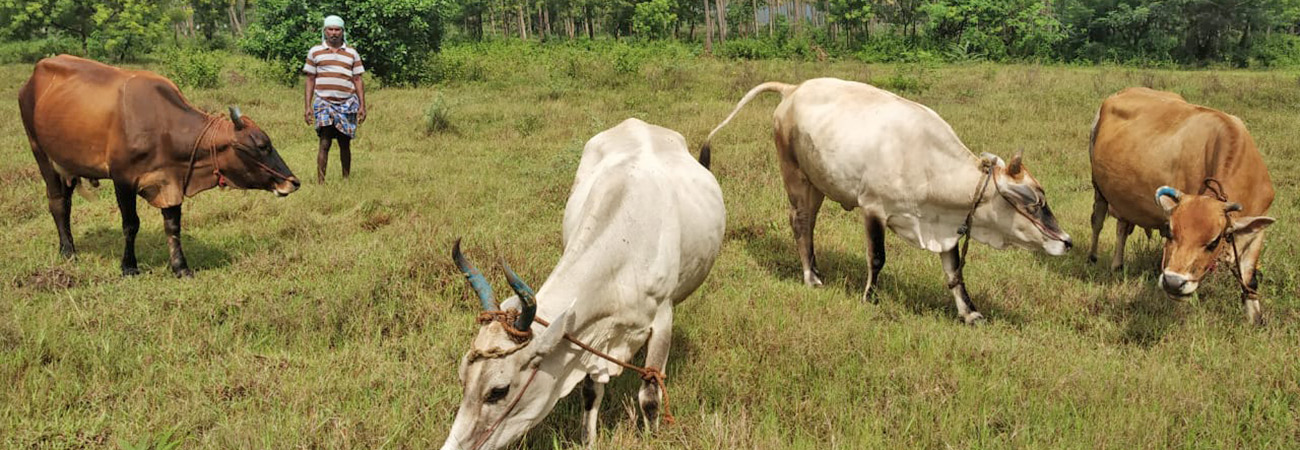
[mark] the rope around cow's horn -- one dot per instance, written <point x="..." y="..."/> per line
<point x="1213" y="185"/>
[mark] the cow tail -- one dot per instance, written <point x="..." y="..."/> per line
<point x="706" y="155"/>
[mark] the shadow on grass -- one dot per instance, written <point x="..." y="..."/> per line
<point x="151" y="248"/>
<point x="1145" y="316"/>
<point x="924" y="295"/>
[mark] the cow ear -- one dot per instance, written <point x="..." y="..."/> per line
<point x="236" y="117"/>
<point x="1013" y="167"/>
<point x="548" y="340"/>
<point x="1250" y="225"/>
<point x="1167" y="198"/>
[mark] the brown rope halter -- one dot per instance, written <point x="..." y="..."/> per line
<point x="1213" y="185"/>
<point x="221" y="178"/>
<point x="524" y="337"/>
<point x="964" y="230"/>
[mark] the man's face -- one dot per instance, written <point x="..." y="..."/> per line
<point x="334" y="35"/>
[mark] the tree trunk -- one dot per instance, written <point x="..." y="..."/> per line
<point x="523" y="23"/>
<point x="708" y="29"/>
<point x="796" y="22"/>
<point x="721" y="12"/>
<point x="771" y="17"/>
<point x="753" y="4"/>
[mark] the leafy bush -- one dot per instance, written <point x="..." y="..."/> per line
<point x="654" y="18"/>
<point x="1277" y="50"/>
<point x="454" y="64"/>
<point x="34" y="50"/>
<point x="394" y="37"/>
<point x="437" y="117"/>
<point x="747" y="48"/>
<point x="193" y="68"/>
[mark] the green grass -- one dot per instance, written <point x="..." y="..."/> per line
<point x="334" y="318"/>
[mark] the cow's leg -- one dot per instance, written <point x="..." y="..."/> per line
<point x="951" y="267"/>
<point x="345" y="154"/>
<point x="130" y="226"/>
<point x="656" y="357"/>
<point x="323" y="153"/>
<point x="172" y="225"/>
<point x="875" y="250"/>
<point x="1250" y="274"/>
<point x="805" y="202"/>
<point x="59" y="195"/>
<point x="1122" y="229"/>
<point x="1099" y="208"/>
<point x="592" y="393"/>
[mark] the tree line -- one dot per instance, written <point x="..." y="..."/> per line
<point x="1237" y="32"/>
<point x="1175" y="32"/>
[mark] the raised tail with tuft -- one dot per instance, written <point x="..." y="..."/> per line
<point x="706" y="154"/>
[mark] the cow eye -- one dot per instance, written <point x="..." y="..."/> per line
<point x="1213" y="244"/>
<point x="497" y="394"/>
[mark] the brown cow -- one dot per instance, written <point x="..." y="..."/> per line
<point x="89" y="120"/>
<point x="1149" y="143"/>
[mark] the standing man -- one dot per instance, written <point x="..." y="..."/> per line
<point x="335" y="99"/>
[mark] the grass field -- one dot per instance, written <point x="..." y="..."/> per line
<point x="334" y="318"/>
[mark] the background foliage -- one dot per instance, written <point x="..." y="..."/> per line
<point x="398" y="38"/>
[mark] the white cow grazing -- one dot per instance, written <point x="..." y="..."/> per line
<point x="641" y="230"/>
<point x="867" y="148"/>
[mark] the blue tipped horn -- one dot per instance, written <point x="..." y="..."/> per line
<point x="475" y="278"/>
<point x="1166" y="191"/>
<point x="526" y="298"/>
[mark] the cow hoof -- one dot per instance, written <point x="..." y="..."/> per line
<point x="67" y="253"/>
<point x="185" y="273"/>
<point x="1092" y="258"/>
<point x="130" y="271"/>
<point x="812" y="280"/>
<point x="976" y="320"/>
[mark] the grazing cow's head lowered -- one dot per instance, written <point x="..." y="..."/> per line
<point x="1200" y="228"/>
<point x="506" y="389"/>
<point x="250" y="161"/>
<point x="1022" y="212"/>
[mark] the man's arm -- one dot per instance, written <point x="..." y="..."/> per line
<point x="311" y="87"/>
<point x="361" y="97"/>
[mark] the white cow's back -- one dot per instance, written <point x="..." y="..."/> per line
<point x="866" y="147"/>
<point x="642" y="226"/>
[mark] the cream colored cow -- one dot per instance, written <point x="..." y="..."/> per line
<point x="642" y="227"/>
<point x="905" y="169"/>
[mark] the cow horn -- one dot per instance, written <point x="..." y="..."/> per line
<point x="1013" y="167"/>
<point x="526" y="298"/>
<point x="1232" y="207"/>
<point x="1166" y="191"/>
<point x="236" y="117"/>
<point x="476" y="280"/>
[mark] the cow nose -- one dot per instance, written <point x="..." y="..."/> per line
<point x="1173" y="283"/>
<point x="1069" y="243"/>
<point x="296" y="183"/>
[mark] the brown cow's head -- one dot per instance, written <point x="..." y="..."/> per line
<point x="1198" y="233"/>
<point x="251" y="162"/>
<point x="508" y="383"/>
<point x="1020" y="210"/>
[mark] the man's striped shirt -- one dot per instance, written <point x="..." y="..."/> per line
<point x="334" y="69"/>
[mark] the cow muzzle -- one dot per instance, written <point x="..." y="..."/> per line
<point x="1058" y="245"/>
<point x="1177" y="285"/>
<point x="287" y="186"/>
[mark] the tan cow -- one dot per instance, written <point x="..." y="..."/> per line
<point x="89" y="120"/>
<point x="1209" y="183"/>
